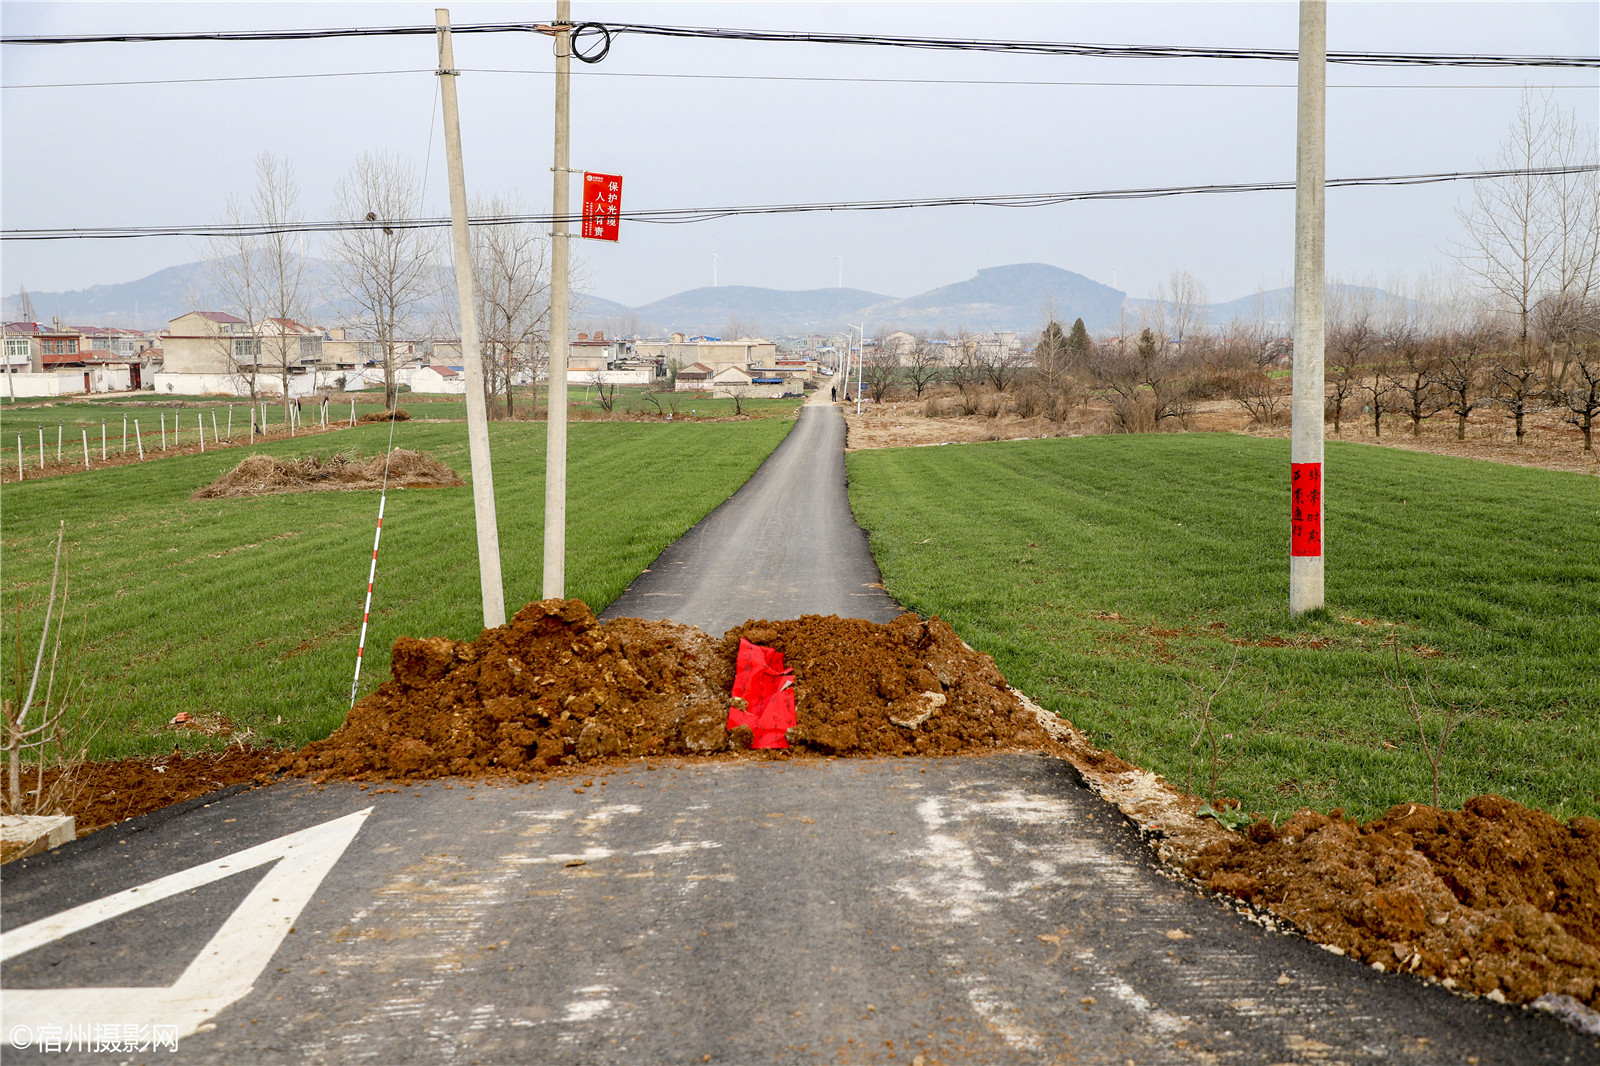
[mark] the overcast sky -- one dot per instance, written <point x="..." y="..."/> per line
<point x="712" y="123"/>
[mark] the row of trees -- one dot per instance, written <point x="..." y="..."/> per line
<point x="1517" y="329"/>
<point x="1404" y="358"/>
<point x="390" y="278"/>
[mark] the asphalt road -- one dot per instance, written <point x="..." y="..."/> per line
<point x="745" y="909"/>
<point x="784" y="545"/>
<point x="967" y="910"/>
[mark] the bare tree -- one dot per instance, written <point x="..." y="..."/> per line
<point x="1533" y="239"/>
<point x="276" y="203"/>
<point x="1179" y="310"/>
<point x="381" y="264"/>
<point x="1459" y="370"/>
<point x="922" y="367"/>
<point x="1411" y="375"/>
<point x="1149" y="384"/>
<point x="879" y="369"/>
<point x="234" y="283"/>
<point x="1352" y="335"/>
<point x="1519" y="386"/>
<point x="1578" y="400"/>
<point x="511" y="282"/>
<point x="967" y="372"/>
<point x="1001" y="366"/>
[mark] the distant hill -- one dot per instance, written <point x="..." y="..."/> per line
<point x="153" y="301"/>
<point x="1012" y="297"/>
<point x="771" y="311"/>
<point x="144" y="304"/>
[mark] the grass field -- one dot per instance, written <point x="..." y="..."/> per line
<point x="250" y="607"/>
<point x="1107" y="575"/>
<point x="179" y="419"/>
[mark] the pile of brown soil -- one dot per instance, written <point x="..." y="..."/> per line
<point x="1495" y="899"/>
<point x="99" y="794"/>
<point x="399" y="414"/>
<point x="261" y="475"/>
<point x="557" y="688"/>
<point x="907" y="688"/>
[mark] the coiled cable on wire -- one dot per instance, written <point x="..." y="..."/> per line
<point x="589" y="29"/>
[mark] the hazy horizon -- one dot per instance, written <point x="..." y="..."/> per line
<point x="707" y="123"/>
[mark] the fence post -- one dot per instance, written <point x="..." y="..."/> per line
<point x="200" y="423"/>
<point x="85" y="432"/>
<point x="19" y="457"/>
<point x="102" y="440"/>
<point x="139" y="437"/>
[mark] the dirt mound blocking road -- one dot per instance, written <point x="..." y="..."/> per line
<point x="1492" y="899"/>
<point x="557" y="688"/>
<point x="261" y="475"/>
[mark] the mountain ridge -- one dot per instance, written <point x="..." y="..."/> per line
<point x="1012" y="297"/>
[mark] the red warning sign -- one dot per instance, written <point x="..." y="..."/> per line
<point x="602" y="205"/>
<point x="1305" y="509"/>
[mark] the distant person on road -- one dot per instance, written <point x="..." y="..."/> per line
<point x="834" y="393"/>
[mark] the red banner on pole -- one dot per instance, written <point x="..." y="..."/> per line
<point x="602" y="205"/>
<point x="1305" y="509"/>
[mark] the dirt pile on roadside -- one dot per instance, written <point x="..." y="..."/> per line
<point x="1495" y="899"/>
<point x="557" y="688"/>
<point x="261" y="475"/>
<point x="907" y="688"/>
<point x="99" y="794"/>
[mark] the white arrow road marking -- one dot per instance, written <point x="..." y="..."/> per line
<point x="222" y="973"/>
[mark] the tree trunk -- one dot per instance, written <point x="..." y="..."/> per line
<point x="1461" y="428"/>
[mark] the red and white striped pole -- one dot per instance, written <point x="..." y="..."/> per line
<point x="366" y="612"/>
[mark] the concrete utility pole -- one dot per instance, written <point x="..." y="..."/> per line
<point x="861" y="361"/>
<point x="555" y="463"/>
<point x="494" y="598"/>
<point x="1310" y="294"/>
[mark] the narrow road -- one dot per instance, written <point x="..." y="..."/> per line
<point x="738" y="909"/>
<point x="784" y="545"/>
<point x="969" y="910"/>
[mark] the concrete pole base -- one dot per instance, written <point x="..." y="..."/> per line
<point x="1305" y="584"/>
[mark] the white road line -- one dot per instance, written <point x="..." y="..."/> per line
<point x="225" y="969"/>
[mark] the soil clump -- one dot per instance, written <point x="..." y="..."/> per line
<point x="98" y="794"/>
<point x="261" y="475"/>
<point x="557" y="688"/>
<point x="1495" y="899"/>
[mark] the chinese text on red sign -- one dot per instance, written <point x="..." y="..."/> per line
<point x="1305" y="509"/>
<point x="602" y="205"/>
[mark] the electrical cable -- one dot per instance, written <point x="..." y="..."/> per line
<point x="812" y="78"/>
<point x="686" y="215"/>
<point x="946" y="44"/>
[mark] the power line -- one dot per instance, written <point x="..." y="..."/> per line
<point x="686" y="216"/>
<point x="823" y="79"/>
<point x="209" y="81"/>
<point x="947" y="44"/>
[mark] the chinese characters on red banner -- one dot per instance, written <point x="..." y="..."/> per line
<point x="602" y="205"/>
<point x="1305" y="509"/>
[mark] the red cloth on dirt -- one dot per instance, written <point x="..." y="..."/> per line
<point x="768" y="691"/>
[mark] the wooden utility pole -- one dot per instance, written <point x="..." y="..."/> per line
<point x="1310" y="295"/>
<point x="494" y="598"/>
<point x="555" y="463"/>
